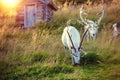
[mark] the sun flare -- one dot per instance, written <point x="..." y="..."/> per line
<point x="10" y="3"/>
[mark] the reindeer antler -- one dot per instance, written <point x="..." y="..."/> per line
<point x="102" y="14"/>
<point x="83" y="38"/>
<point x="81" y="17"/>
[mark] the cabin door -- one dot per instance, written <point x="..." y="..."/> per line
<point x="29" y="16"/>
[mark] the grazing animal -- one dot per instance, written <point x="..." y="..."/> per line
<point x="116" y="30"/>
<point x="93" y="26"/>
<point x="71" y="39"/>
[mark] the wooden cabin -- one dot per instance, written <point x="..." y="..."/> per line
<point x="34" y="11"/>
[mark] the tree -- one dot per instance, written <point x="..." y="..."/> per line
<point x="78" y="1"/>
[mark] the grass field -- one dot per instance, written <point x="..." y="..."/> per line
<point x="38" y="54"/>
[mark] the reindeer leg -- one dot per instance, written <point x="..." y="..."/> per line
<point x="94" y="37"/>
<point x="114" y="36"/>
<point x="90" y="37"/>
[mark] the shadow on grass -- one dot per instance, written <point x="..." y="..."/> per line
<point x="90" y="58"/>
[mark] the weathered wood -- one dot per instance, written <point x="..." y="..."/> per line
<point x="35" y="11"/>
<point x="29" y="16"/>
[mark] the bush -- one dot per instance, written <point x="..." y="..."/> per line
<point x="90" y="58"/>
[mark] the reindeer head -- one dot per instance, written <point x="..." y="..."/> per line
<point x="93" y="26"/>
<point x="75" y="53"/>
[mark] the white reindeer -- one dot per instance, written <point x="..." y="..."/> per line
<point x="71" y="40"/>
<point x="116" y="30"/>
<point x="93" y="25"/>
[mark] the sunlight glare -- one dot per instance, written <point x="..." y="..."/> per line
<point x="10" y="3"/>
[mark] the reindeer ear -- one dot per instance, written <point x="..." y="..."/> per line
<point x="80" y="48"/>
<point x="71" y="47"/>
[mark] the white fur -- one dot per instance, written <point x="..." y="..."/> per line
<point x="93" y="26"/>
<point x="92" y="31"/>
<point x="116" y="30"/>
<point x="75" y="37"/>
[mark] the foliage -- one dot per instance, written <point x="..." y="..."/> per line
<point x="90" y="58"/>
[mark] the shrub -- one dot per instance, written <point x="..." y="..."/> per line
<point x="90" y="58"/>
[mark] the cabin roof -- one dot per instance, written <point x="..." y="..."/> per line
<point x="46" y="2"/>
